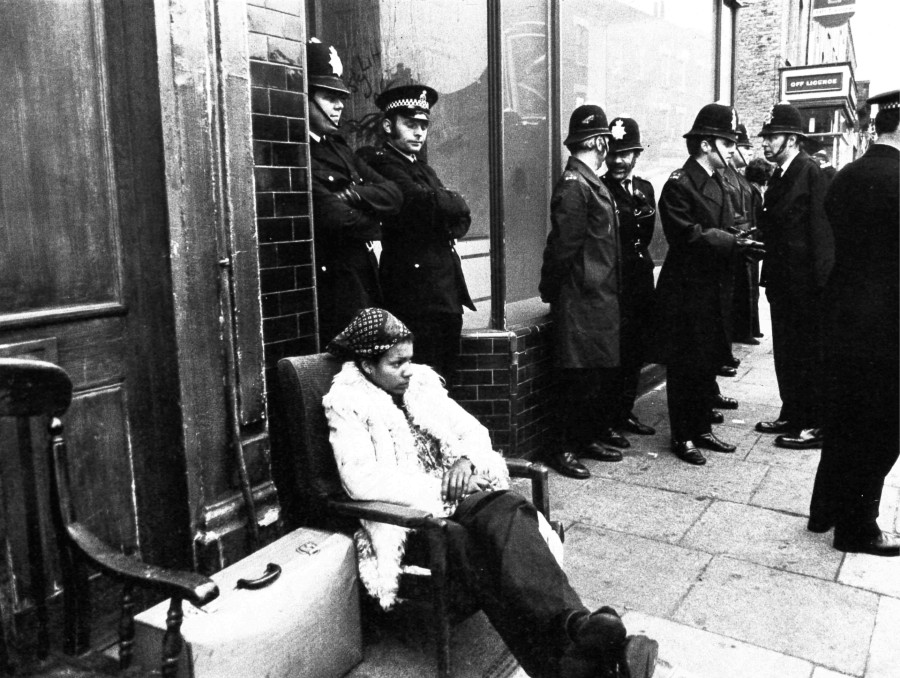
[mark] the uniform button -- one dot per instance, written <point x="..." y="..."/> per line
<point x="415" y="266"/>
<point x="324" y="268"/>
<point x="330" y="178"/>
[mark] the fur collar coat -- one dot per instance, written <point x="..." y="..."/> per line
<point x="377" y="459"/>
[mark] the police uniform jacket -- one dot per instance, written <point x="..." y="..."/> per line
<point x="636" y="213"/>
<point x="742" y="198"/>
<point x="693" y="290"/>
<point x="581" y="270"/>
<point x="420" y="269"/>
<point x="863" y="207"/>
<point x="795" y="229"/>
<point x="346" y="268"/>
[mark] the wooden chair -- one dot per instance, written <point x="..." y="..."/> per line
<point x="33" y="388"/>
<point x="304" y="381"/>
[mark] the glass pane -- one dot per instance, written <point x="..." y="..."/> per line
<point x="526" y="144"/>
<point x="643" y="59"/>
<point x="443" y="44"/>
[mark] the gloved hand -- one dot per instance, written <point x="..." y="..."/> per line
<point x="752" y="249"/>
<point x="349" y="196"/>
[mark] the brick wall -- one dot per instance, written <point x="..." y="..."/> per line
<point x="277" y="40"/>
<point x="759" y="56"/>
<point x="504" y="380"/>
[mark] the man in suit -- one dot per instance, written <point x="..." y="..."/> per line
<point x="421" y="275"/>
<point x="862" y="429"/>
<point x="799" y="256"/>
<point x="692" y="294"/>
<point x="349" y="200"/>
<point x="636" y="212"/>
<point x="580" y="280"/>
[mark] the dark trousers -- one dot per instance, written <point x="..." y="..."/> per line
<point x="436" y="340"/>
<point x="746" y="300"/>
<point x="635" y="326"/>
<point x="797" y="344"/>
<point x="862" y="440"/>
<point x="496" y="547"/>
<point x="586" y="403"/>
<point x="689" y="388"/>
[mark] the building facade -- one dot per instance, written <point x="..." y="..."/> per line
<point x="157" y="234"/>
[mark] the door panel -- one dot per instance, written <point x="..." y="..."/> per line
<point x="67" y="284"/>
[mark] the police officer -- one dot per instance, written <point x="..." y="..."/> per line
<point x="350" y="200"/>
<point x="799" y="257"/>
<point x="580" y="280"/>
<point x="636" y="212"/>
<point x="862" y="302"/>
<point x="421" y="275"/>
<point x="692" y="292"/>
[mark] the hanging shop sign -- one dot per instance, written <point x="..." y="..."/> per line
<point x="833" y="12"/>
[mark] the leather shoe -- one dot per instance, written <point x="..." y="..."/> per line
<point x="687" y="451"/>
<point x="599" y="452"/>
<point x="614" y="438"/>
<point x="733" y="362"/>
<point x="808" y="438"/>
<point x="567" y="464"/>
<point x="880" y="545"/>
<point x="726" y="371"/>
<point x="716" y="417"/>
<point x="777" y="426"/>
<point x="634" y="425"/>
<point x="709" y="441"/>
<point x="753" y="341"/>
<point x="721" y="402"/>
<point x="598" y="640"/>
<point x="819" y="525"/>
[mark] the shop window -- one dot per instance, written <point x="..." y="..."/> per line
<point x="443" y="44"/>
<point x="616" y="60"/>
<point x="526" y="147"/>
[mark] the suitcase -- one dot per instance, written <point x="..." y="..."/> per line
<point x="304" y="623"/>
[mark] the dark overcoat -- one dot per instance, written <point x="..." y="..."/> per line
<point x="580" y="276"/>
<point x="420" y="269"/>
<point x="862" y="207"/>
<point x="693" y="290"/>
<point x="636" y="213"/>
<point x="795" y="229"/>
<point x="346" y="267"/>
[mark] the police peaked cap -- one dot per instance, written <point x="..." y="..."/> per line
<point x="413" y="101"/>
<point x="715" y="120"/>
<point x="742" y="139"/>
<point x="886" y="100"/>
<point x="626" y="135"/>
<point x="784" y="119"/>
<point x="323" y="67"/>
<point x="587" y="121"/>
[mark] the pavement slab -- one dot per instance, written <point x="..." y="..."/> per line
<point x="785" y="489"/>
<point x="872" y="573"/>
<point x="694" y="653"/>
<point x="762" y="536"/>
<point x="643" y="511"/>
<point x="884" y="653"/>
<point x="629" y="572"/>
<point x="823" y="622"/>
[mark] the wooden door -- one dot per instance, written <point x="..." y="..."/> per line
<point x="84" y="265"/>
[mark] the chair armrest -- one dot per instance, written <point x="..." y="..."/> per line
<point x="540" y="490"/>
<point x="184" y="584"/>
<point x="384" y="512"/>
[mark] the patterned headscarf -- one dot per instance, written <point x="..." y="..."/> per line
<point x="371" y="333"/>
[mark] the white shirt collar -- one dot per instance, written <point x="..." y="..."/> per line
<point x="784" y="167"/>
<point x="408" y="156"/>
<point x="315" y="136"/>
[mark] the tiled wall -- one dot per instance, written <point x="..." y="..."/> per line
<point x="505" y="380"/>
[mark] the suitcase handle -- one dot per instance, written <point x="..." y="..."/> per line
<point x="272" y="573"/>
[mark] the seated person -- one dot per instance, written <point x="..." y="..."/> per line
<point x="398" y="437"/>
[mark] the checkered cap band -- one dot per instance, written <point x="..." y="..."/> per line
<point x="421" y="102"/>
<point x="371" y="333"/>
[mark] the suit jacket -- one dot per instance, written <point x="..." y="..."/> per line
<point x="420" y="269"/>
<point x="580" y="276"/>
<point x="863" y="207"/>
<point x="799" y="241"/>
<point x="693" y="290"/>
<point x="346" y="268"/>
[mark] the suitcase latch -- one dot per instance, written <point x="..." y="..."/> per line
<point x="309" y="548"/>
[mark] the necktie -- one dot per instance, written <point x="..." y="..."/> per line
<point x="626" y="184"/>
<point x="776" y="175"/>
